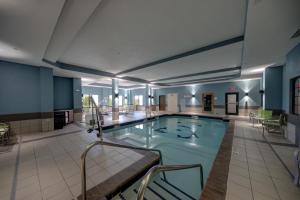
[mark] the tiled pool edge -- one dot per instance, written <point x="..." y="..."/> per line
<point x="123" y="179"/>
<point x="216" y="184"/>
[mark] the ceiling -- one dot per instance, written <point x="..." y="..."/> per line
<point x="163" y="42"/>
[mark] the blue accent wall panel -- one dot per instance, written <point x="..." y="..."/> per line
<point x="19" y="88"/>
<point x="63" y="93"/>
<point x="46" y="89"/>
<point x="77" y="101"/>
<point x="273" y="88"/>
<point x="290" y="71"/>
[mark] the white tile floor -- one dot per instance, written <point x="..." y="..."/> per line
<point x="255" y="172"/>
<point x="50" y="168"/>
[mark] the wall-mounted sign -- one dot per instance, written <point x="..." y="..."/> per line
<point x="232" y="89"/>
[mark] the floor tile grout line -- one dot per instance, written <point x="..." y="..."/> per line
<point x="61" y="174"/>
<point x="269" y="173"/>
<point x="278" y="157"/>
<point x="38" y="173"/>
<point x="52" y="136"/>
<point x="265" y="142"/>
<point x="248" y="166"/>
<point x="14" y="185"/>
<point x="69" y="187"/>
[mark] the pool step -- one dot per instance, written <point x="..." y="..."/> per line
<point x="158" y="189"/>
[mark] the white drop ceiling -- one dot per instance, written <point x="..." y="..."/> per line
<point x="113" y="36"/>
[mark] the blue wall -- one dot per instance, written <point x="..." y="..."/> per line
<point x="273" y="88"/>
<point x="46" y="89"/>
<point x="23" y="88"/>
<point x="219" y="90"/>
<point x="63" y="93"/>
<point x="77" y="101"/>
<point x="290" y="71"/>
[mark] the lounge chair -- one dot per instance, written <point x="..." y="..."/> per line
<point x="260" y="116"/>
<point x="275" y="125"/>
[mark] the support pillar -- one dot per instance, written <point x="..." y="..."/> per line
<point x="148" y="99"/>
<point x="115" y="99"/>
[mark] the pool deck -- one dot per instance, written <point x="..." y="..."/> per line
<point x="47" y="166"/>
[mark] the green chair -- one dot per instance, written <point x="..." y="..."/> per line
<point x="275" y="125"/>
<point x="261" y="116"/>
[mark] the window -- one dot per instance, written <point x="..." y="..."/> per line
<point x="85" y="101"/>
<point x="120" y="100"/>
<point x="109" y="100"/>
<point x="95" y="97"/>
<point x="296" y="96"/>
<point x="138" y="100"/>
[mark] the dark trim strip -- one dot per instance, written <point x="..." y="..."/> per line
<point x="185" y="54"/>
<point x="77" y="110"/>
<point x="135" y="190"/>
<point x="26" y="116"/>
<point x="76" y="68"/>
<point x="203" y="80"/>
<point x="198" y="74"/>
<point x="222" y="106"/>
<point x="156" y="193"/>
<point x="86" y="70"/>
<point x="216" y="184"/>
<point x="166" y="190"/>
<point x="175" y="187"/>
<point x="109" y="85"/>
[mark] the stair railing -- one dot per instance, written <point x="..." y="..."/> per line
<point x="162" y="168"/>
<point x="104" y="143"/>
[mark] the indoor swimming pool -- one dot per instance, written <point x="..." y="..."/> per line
<point x="182" y="140"/>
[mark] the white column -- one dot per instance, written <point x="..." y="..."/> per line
<point x="115" y="99"/>
<point x="147" y="99"/>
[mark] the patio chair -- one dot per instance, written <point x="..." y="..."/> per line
<point x="261" y="116"/>
<point x="275" y="125"/>
<point x="4" y="132"/>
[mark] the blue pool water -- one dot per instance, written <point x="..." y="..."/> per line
<point x="182" y="140"/>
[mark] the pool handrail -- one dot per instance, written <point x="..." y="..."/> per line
<point x="105" y="143"/>
<point x="162" y="168"/>
<point x="99" y="116"/>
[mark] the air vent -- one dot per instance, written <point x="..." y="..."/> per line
<point x="296" y="34"/>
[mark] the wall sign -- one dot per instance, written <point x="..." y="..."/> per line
<point x="232" y="89"/>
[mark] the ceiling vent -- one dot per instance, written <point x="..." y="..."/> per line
<point x="296" y="34"/>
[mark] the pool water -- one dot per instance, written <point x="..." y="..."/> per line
<point x="182" y="140"/>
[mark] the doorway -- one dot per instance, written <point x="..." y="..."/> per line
<point x="208" y="102"/>
<point x="232" y="103"/>
<point x="162" y="102"/>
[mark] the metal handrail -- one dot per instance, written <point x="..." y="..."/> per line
<point x="158" y="168"/>
<point x="90" y="146"/>
<point x="98" y="115"/>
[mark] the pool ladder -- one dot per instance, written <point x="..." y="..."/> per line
<point x="99" y="117"/>
<point x="147" y="177"/>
